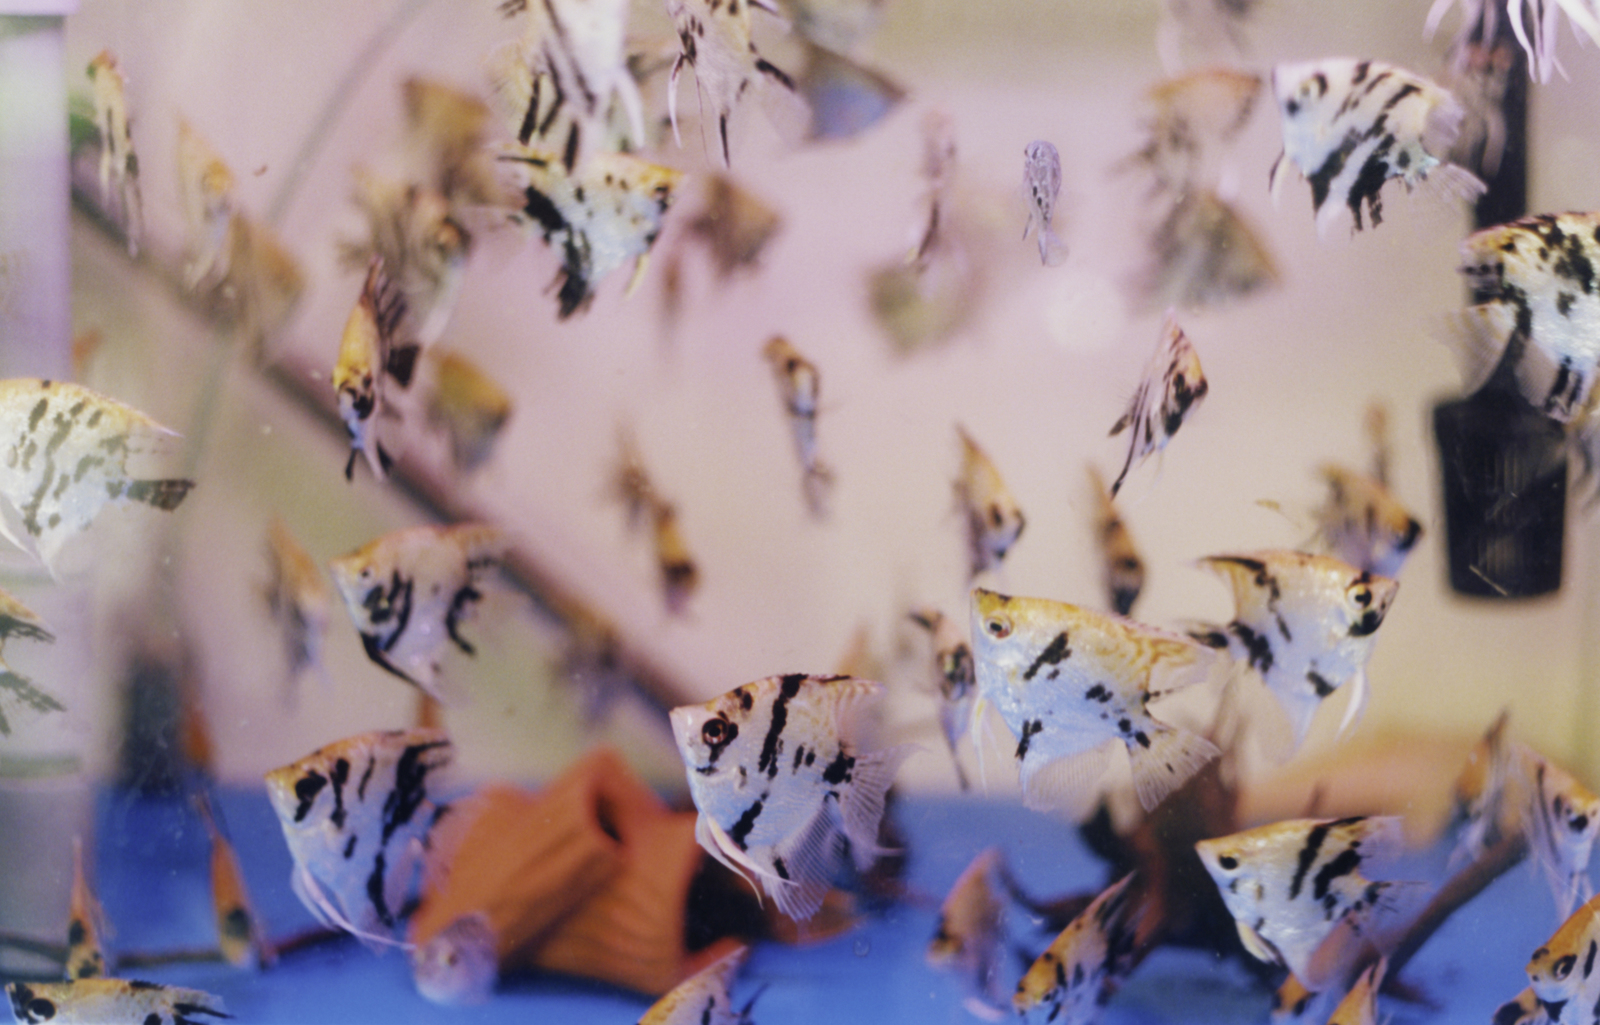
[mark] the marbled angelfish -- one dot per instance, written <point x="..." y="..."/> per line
<point x="1563" y="972"/>
<point x="1561" y="820"/>
<point x="240" y="936"/>
<point x="1363" y="524"/>
<point x="111" y="1002"/>
<point x="1350" y="125"/>
<point x="1041" y="184"/>
<point x="716" y="43"/>
<point x="994" y="520"/>
<point x="409" y="591"/>
<point x="357" y="818"/>
<point x="778" y="774"/>
<point x="1169" y="393"/>
<point x="1070" y="683"/>
<point x="800" y="387"/>
<point x="1084" y="965"/>
<point x="205" y="186"/>
<point x="1538" y="295"/>
<point x="86" y="921"/>
<point x="702" y="999"/>
<point x="1122" y="571"/>
<point x="67" y="459"/>
<point x="119" y="166"/>
<point x="18" y="694"/>
<point x="958" y="689"/>
<point x="299" y="599"/>
<point x="1288" y="885"/>
<point x="1306" y="623"/>
<point x="970" y="938"/>
<point x="370" y="352"/>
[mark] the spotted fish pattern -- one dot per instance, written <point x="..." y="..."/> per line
<point x="86" y="957"/>
<point x="702" y="999"/>
<point x="1563" y="974"/>
<point x="1561" y="821"/>
<point x="800" y="388"/>
<point x="605" y="213"/>
<point x="111" y="1002"/>
<point x="1041" y="183"/>
<point x="370" y="353"/>
<point x="66" y="451"/>
<point x="778" y="774"/>
<point x="1306" y="623"/>
<point x="714" y="36"/>
<point x="1351" y="125"/>
<point x="19" y="696"/>
<point x="994" y="520"/>
<point x="1534" y="282"/>
<point x="1083" y="966"/>
<point x="357" y="818"/>
<point x="409" y="592"/>
<point x="1122" y="570"/>
<point x="957" y="678"/>
<point x="1363" y="523"/>
<point x="1072" y="683"/>
<point x="119" y="165"/>
<point x="1169" y="393"/>
<point x="1289" y="884"/>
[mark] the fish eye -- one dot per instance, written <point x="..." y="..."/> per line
<point x="1562" y="968"/>
<point x="718" y="731"/>
<point x="997" y="628"/>
<point x="1228" y="862"/>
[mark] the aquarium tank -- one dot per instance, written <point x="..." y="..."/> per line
<point x="786" y="510"/>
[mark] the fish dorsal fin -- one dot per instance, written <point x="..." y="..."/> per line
<point x="861" y="800"/>
<point x="1067" y="783"/>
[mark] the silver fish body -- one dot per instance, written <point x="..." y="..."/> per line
<point x="957" y="677"/>
<point x="1306" y="623"/>
<point x="1070" y="682"/>
<point x="1288" y="885"/>
<point x="994" y="520"/>
<point x="800" y="388"/>
<point x="1351" y="125"/>
<point x="409" y="591"/>
<point x="1085" y="963"/>
<point x="111" y="1002"/>
<point x="1041" y="181"/>
<point x="357" y="817"/>
<point x="1538" y="308"/>
<point x="777" y="773"/>
<point x="1170" y="392"/>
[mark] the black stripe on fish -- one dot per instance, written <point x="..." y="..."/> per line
<point x="1307" y="857"/>
<point x="1257" y="648"/>
<point x="1053" y="654"/>
<point x="375" y="894"/>
<point x="1320" y="684"/>
<point x="741" y="829"/>
<point x="366" y="777"/>
<point x="838" y="770"/>
<point x="350" y="847"/>
<point x="1588" y="962"/>
<point x="410" y="788"/>
<point x="779" y="867"/>
<point x="339" y="776"/>
<point x="458" y="608"/>
<point x="375" y="649"/>
<point x="1347" y="861"/>
<point x="1030" y="729"/>
<point x="772" y="745"/>
<point x="1552" y="1008"/>
<point x="306" y="789"/>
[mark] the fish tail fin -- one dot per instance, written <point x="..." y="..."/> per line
<point x="861" y="801"/>
<point x="162" y="494"/>
<point x="1167" y="762"/>
<point x="1479" y="337"/>
<point x="1454" y="183"/>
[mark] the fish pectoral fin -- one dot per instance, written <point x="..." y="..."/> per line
<point x="719" y="846"/>
<point x="1065" y="782"/>
<point x="1171" y="757"/>
<point x="1259" y="948"/>
<point x="861" y="799"/>
<point x="1357" y="703"/>
<point x="1478" y="336"/>
<point x="808" y="859"/>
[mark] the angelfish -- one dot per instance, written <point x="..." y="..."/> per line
<point x="702" y="999"/>
<point x="240" y="936"/>
<point x="1288" y="885"/>
<point x="119" y="166"/>
<point x="1072" y="683"/>
<point x="958" y="683"/>
<point x="778" y="773"/>
<point x="716" y="43"/>
<point x="86" y="957"/>
<point x="1306" y="623"/>
<point x="1169" y="393"/>
<point x="409" y="591"/>
<point x="357" y="818"/>
<point x="971" y="932"/>
<point x="1351" y="125"/>
<point x="1084" y="965"/>
<point x="87" y="1001"/>
<point x="66" y="457"/>
<point x="994" y="520"/>
<point x="1041" y="182"/>
<point x="800" y="386"/>
<point x="370" y="352"/>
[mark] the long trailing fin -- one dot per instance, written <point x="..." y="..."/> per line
<point x="1171" y="758"/>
